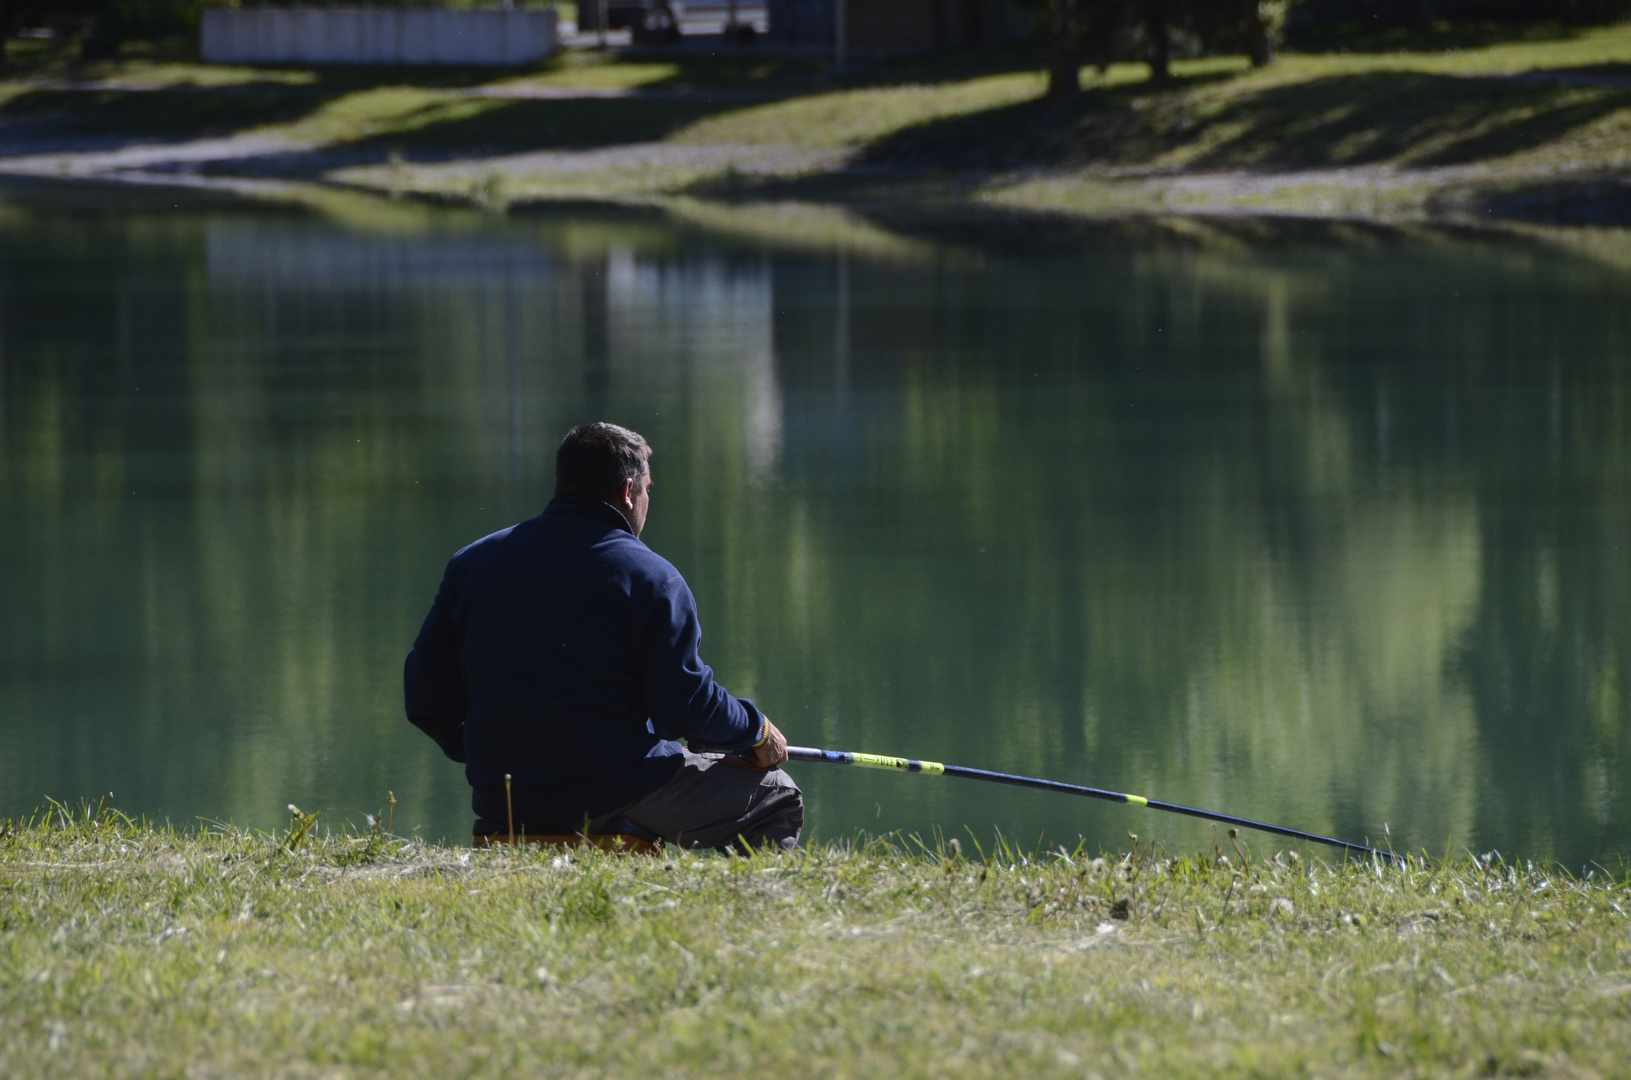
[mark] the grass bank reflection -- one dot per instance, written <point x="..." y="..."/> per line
<point x="1328" y="533"/>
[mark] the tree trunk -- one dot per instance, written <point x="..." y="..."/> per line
<point x="1259" y="43"/>
<point x="1065" y="31"/>
<point x="1064" y="73"/>
<point x="1160" y="42"/>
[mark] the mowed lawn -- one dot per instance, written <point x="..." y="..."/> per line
<point x="1551" y="109"/>
<point x="127" y="951"/>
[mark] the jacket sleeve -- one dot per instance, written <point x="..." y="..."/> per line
<point x="432" y="684"/>
<point x="682" y="698"/>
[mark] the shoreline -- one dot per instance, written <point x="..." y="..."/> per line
<point x="726" y="176"/>
<point x="127" y="950"/>
<point x="1529" y="132"/>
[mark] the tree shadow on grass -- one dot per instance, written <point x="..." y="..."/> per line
<point x="433" y="127"/>
<point x="99" y="108"/>
<point x="1038" y="132"/>
<point x="815" y="74"/>
<point x="85" y="102"/>
<point x="40" y="119"/>
<point x="499" y="128"/>
<point x="459" y="111"/>
<point x="1404" y="117"/>
<point x="95" y="108"/>
<point x="1440" y="37"/>
<point x="454" y="126"/>
<point x="1407" y="118"/>
<point x="516" y="126"/>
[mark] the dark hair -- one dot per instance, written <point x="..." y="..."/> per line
<point x="595" y="459"/>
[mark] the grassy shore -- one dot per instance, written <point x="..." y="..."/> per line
<point x="132" y="951"/>
<point x="1424" y="128"/>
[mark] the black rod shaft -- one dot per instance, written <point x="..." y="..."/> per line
<point x="874" y="761"/>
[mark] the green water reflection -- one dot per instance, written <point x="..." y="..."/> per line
<point x="1330" y="531"/>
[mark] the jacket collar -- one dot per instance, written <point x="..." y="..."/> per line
<point x="584" y="507"/>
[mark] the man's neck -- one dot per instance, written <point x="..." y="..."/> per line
<point x="600" y="508"/>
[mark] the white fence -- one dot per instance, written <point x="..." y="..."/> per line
<point x="374" y="36"/>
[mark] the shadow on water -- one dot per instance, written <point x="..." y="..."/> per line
<point x="1032" y="234"/>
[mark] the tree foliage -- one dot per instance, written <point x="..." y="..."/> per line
<point x="115" y="18"/>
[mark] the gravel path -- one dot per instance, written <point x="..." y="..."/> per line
<point x="228" y="162"/>
<point x="121" y="159"/>
<point x="251" y="164"/>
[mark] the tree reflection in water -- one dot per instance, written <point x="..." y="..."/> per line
<point x="1316" y="528"/>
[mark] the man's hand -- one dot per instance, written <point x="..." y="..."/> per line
<point x="773" y="751"/>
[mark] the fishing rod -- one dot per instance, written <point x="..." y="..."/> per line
<point x="935" y="768"/>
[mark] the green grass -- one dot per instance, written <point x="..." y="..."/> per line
<point x="858" y="117"/>
<point x="1500" y="126"/>
<point x="132" y="951"/>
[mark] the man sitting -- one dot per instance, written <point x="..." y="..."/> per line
<point x="563" y="651"/>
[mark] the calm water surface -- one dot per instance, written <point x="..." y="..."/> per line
<point x="1332" y="530"/>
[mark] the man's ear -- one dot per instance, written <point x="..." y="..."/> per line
<point x="627" y="494"/>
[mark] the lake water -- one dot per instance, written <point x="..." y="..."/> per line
<point x="1328" y="527"/>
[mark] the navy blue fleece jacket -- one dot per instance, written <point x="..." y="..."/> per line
<point x="564" y="651"/>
